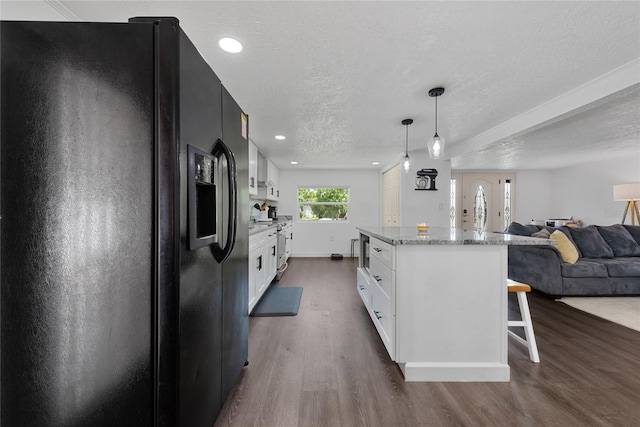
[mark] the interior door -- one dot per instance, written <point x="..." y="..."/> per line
<point x="391" y="180"/>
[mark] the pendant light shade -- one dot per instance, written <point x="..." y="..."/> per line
<point x="436" y="144"/>
<point x="406" y="160"/>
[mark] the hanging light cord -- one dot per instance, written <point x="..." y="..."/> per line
<point x="406" y="145"/>
<point x="436" y="114"/>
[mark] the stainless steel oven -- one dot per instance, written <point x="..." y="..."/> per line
<point x="282" y="242"/>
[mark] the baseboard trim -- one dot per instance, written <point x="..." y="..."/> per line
<point x="320" y="254"/>
<point x="455" y="372"/>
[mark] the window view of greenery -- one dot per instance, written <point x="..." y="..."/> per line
<point x="323" y="204"/>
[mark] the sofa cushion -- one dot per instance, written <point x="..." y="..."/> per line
<point x="584" y="268"/>
<point x="567" y="250"/>
<point x="591" y="243"/>
<point x="619" y="240"/>
<point x="620" y="267"/>
<point x="521" y="230"/>
<point x="634" y="230"/>
<point x="542" y="234"/>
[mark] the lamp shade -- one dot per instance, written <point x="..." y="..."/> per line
<point x="626" y="191"/>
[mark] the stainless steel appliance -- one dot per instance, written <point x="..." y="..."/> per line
<point x="282" y="243"/>
<point x="124" y="250"/>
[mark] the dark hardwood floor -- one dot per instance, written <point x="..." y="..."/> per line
<point x="327" y="367"/>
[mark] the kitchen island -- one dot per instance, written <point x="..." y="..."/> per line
<point x="439" y="299"/>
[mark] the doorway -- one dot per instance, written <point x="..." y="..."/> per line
<point x="482" y="201"/>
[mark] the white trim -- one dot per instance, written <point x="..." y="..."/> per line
<point x="345" y="255"/>
<point x="484" y="372"/>
<point x="319" y="221"/>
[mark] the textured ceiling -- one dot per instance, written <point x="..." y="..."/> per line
<point x="338" y="77"/>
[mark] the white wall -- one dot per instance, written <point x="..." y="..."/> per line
<point x="322" y="238"/>
<point x="533" y="196"/>
<point x="586" y="191"/>
<point x="583" y="191"/>
<point x="429" y="206"/>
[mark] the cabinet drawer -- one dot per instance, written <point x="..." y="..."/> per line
<point x="362" y="286"/>
<point x="383" y="251"/>
<point x="383" y="276"/>
<point x="383" y="318"/>
<point x="259" y="239"/>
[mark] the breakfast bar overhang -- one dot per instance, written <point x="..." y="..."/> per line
<point x="438" y="299"/>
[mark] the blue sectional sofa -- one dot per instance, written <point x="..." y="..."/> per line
<point x="608" y="261"/>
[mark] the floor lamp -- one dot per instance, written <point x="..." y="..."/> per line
<point x="629" y="193"/>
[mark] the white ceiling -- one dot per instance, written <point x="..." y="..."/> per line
<point x="529" y="85"/>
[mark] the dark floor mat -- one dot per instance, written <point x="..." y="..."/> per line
<point x="279" y="301"/>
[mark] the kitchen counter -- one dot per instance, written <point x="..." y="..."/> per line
<point x="448" y="236"/>
<point x="256" y="227"/>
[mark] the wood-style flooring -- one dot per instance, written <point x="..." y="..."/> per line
<point x="327" y="367"/>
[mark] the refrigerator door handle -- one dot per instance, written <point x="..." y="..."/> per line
<point x="221" y="253"/>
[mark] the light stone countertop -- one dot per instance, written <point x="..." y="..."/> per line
<point x="448" y="236"/>
<point x="256" y="227"/>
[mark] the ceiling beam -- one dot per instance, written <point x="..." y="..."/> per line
<point x="556" y="109"/>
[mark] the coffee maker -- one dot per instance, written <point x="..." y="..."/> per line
<point x="273" y="212"/>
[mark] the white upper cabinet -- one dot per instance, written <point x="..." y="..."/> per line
<point x="268" y="177"/>
<point x="273" y="173"/>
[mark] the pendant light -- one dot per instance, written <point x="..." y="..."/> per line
<point x="406" y="160"/>
<point x="436" y="144"/>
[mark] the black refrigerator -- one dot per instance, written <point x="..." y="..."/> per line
<point x="124" y="235"/>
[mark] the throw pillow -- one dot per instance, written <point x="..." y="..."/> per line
<point x="619" y="240"/>
<point x="521" y="230"/>
<point x="542" y="234"/>
<point x="591" y="243"/>
<point x="568" y="252"/>
<point x="567" y="233"/>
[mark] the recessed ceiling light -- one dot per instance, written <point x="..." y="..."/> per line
<point x="230" y="45"/>
<point x="281" y="137"/>
<point x="294" y="163"/>
<point x="375" y="163"/>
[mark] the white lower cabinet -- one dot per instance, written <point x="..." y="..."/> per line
<point x="377" y="290"/>
<point x="262" y="264"/>
<point x="384" y="318"/>
<point x="363" y="287"/>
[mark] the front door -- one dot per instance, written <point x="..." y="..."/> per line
<point x="487" y="201"/>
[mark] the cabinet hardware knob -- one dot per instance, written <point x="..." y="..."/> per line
<point x="377" y="313"/>
<point x="378" y="278"/>
<point x="361" y="288"/>
<point x="377" y="249"/>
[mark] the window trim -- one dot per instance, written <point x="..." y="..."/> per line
<point x="323" y="221"/>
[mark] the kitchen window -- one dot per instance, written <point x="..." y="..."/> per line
<point x="323" y="203"/>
